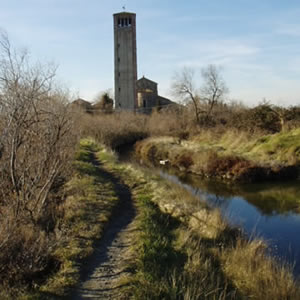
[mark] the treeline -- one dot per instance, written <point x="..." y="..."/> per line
<point x="198" y="109"/>
<point x="179" y="121"/>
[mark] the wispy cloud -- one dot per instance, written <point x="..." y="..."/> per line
<point x="190" y="52"/>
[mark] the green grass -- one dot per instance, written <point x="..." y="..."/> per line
<point x="283" y="147"/>
<point x="157" y="258"/>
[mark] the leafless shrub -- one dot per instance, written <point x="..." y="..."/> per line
<point x="24" y="256"/>
<point x="36" y="146"/>
<point x="35" y="135"/>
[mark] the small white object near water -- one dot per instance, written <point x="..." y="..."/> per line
<point x="164" y="161"/>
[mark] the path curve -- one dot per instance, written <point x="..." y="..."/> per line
<point x="101" y="273"/>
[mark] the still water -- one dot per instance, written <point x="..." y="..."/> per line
<point x="270" y="211"/>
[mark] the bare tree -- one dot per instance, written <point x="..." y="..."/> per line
<point x="183" y="86"/>
<point x="212" y="92"/>
<point x="214" y="88"/>
<point x="36" y="132"/>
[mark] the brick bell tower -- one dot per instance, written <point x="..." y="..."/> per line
<point x="125" y="61"/>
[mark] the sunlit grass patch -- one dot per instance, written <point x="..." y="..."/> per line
<point x="106" y="156"/>
<point x="256" y="274"/>
<point x="283" y="146"/>
<point x="192" y="273"/>
<point x="156" y="257"/>
<point x="233" y="155"/>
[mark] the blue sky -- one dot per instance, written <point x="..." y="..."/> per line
<point x="257" y="42"/>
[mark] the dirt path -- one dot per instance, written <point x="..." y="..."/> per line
<point x="102" y="272"/>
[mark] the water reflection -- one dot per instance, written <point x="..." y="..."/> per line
<point x="268" y="210"/>
<point x="270" y="198"/>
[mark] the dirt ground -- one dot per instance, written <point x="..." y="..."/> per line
<point x="102" y="272"/>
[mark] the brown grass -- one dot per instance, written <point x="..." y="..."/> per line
<point x="210" y="160"/>
<point x="114" y="130"/>
<point x="25" y="257"/>
<point x="256" y="274"/>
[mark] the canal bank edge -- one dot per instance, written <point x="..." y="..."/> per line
<point x="254" y="161"/>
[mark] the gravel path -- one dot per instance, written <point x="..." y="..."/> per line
<point x="102" y="272"/>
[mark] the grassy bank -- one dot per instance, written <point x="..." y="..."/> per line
<point x="186" y="251"/>
<point x="229" y="155"/>
<point x="280" y="148"/>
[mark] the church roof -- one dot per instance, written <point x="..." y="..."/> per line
<point x="146" y="79"/>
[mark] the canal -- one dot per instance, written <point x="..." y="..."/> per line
<point x="267" y="210"/>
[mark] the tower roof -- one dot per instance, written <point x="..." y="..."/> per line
<point x="124" y="13"/>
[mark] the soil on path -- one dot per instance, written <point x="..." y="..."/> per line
<point x="101" y="274"/>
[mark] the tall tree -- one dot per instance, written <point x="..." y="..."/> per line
<point x="214" y="88"/>
<point x="103" y="103"/>
<point x="183" y="85"/>
<point x="211" y="93"/>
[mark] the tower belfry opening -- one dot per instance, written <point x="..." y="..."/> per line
<point x="125" y="61"/>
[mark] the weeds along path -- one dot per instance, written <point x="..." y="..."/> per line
<point x="103" y="271"/>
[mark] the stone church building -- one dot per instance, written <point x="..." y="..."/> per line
<point x="131" y="94"/>
<point x="147" y="96"/>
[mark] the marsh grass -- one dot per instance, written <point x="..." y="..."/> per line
<point x="256" y="274"/>
<point x="283" y="147"/>
<point x="115" y="129"/>
<point x="219" y="155"/>
<point x="156" y="257"/>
